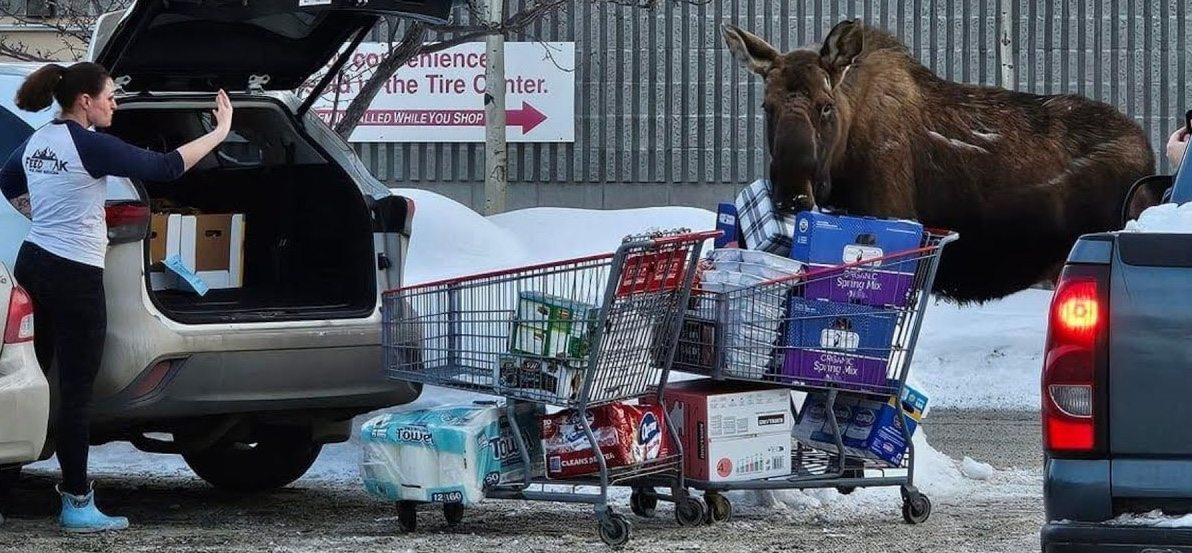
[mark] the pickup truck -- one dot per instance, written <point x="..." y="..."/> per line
<point x="1117" y="385"/>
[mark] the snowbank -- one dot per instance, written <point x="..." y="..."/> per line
<point x="983" y="357"/>
<point x="976" y="470"/>
<point x="1163" y="218"/>
<point x="1154" y="519"/>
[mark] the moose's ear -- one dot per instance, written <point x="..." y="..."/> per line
<point x="751" y="51"/>
<point x="842" y="46"/>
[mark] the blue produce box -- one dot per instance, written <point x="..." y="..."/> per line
<point x="823" y="240"/>
<point x="829" y="341"/>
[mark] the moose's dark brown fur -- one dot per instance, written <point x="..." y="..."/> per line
<point x="859" y="125"/>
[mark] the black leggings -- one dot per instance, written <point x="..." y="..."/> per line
<point x="70" y="321"/>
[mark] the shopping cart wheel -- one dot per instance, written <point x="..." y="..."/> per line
<point x="850" y="473"/>
<point x="916" y="509"/>
<point x="407" y="515"/>
<point x="720" y="509"/>
<point x="614" y="530"/>
<point x="689" y="511"/>
<point x="454" y="513"/>
<point x="643" y="501"/>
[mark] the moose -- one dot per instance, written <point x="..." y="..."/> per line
<point x="859" y="126"/>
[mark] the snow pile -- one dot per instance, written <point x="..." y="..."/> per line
<point x="448" y="239"/>
<point x="1154" y="519"/>
<point x="550" y="233"/>
<point x="936" y="475"/>
<point x="975" y="470"/>
<point x="1163" y="218"/>
<point x="983" y="357"/>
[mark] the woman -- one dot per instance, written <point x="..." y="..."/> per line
<point x="58" y="179"/>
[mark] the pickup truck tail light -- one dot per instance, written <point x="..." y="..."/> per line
<point x="19" y="325"/>
<point x="1074" y="362"/>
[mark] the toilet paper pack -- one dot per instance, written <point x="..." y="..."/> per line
<point x="447" y="454"/>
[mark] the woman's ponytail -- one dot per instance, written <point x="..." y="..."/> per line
<point x="65" y="84"/>
<point x="37" y="92"/>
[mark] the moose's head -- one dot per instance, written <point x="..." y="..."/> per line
<point x="807" y="115"/>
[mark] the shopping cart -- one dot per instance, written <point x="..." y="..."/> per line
<point x="581" y="334"/>
<point x="808" y="331"/>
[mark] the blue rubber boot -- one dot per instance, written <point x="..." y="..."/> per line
<point x="80" y="516"/>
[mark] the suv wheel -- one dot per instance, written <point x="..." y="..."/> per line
<point x="275" y="460"/>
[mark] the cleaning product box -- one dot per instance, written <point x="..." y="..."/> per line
<point x="812" y="427"/>
<point x="825" y="240"/>
<point x="552" y="326"/>
<point x="731" y="431"/>
<point x="447" y="454"/>
<point x="875" y="431"/>
<point x="869" y="427"/>
<point x="628" y="435"/>
<point x="844" y="343"/>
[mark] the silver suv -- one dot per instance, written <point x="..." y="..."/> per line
<point x="248" y="380"/>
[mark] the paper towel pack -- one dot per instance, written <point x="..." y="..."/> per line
<point x="447" y="454"/>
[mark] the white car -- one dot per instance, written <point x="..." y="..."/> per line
<point x="252" y="377"/>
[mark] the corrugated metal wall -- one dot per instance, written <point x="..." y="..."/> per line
<point x="664" y="116"/>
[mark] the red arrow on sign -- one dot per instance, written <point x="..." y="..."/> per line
<point x="528" y="118"/>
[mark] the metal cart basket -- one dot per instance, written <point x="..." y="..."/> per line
<point x="581" y="334"/>
<point x="818" y="332"/>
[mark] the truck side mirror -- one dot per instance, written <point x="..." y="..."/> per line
<point x="1144" y="193"/>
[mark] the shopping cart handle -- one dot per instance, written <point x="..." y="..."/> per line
<point x="687" y="237"/>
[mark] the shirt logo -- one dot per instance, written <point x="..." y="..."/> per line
<point x="45" y="161"/>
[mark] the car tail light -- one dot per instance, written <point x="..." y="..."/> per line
<point x="408" y="227"/>
<point x="1074" y="360"/>
<point x="19" y="327"/>
<point x="127" y="221"/>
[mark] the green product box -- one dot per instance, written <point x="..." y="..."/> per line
<point x="552" y="326"/>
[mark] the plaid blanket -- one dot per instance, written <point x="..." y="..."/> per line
<point x="761" y="228"/>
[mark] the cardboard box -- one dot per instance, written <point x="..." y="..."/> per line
<point x="551" y="326"/>
<point x="210" y="249"/>
<point x="875" y="430"/>
<point x="628" y="435"/>
<point x="548" y="378"/>
<point x="730" y="430"/>
<point x="157" y="240"/>
<point x="744" y="458"/>
<point x="870" y="428"/>
<point x="696" y="349"/>
<point x="824" y="240"/>
<point x="811" y="426"/>
<point x="838" y="342"/>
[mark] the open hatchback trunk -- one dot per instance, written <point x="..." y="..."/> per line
<point x="269" y="226"/>
<point x="275" y="231"/>
<point x="205" y="45"/>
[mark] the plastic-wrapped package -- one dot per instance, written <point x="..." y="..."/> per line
<point x="447" y="454"/>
